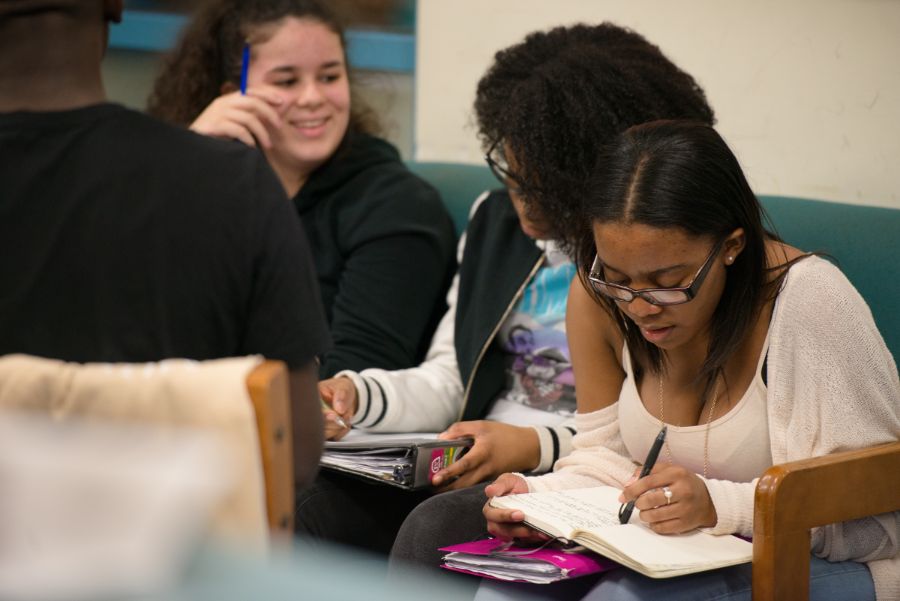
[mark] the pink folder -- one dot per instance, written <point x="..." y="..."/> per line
<point x="570" y="564"/>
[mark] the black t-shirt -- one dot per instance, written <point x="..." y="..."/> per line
<point x="125" y="239"/>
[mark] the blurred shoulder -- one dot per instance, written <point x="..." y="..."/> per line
<point x="189" y="164"/>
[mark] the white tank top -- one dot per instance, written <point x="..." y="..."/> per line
<point x="739" y="446"/>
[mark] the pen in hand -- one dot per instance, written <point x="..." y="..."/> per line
<point x="337" y="418"/>
<point x="245" y="64"/>
<point x="626" y="509"/>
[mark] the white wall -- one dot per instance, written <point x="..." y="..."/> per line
<point x="807" y="92"/>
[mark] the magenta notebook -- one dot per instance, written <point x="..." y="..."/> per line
<point x="488" y="558"/>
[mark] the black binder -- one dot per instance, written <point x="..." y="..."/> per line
<point x="408" y="461"/>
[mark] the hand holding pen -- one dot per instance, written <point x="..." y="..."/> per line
<point x="334" y="416"/>
<point x="627" y="508"/>
<point x="242" y="113"/>
<point x="340" y="402"/>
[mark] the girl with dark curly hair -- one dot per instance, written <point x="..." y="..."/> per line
<point x="381" y="238"/>
<point x="552" y="101"/>
<point x="498" y="369"/>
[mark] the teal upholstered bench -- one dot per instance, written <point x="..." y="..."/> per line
<point x="459" y="185"/>
<point x="865" y="241"/>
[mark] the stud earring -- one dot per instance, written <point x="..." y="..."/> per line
<point x="730" y="260"/>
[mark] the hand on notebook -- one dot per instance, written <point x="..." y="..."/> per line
<point x="506" y="524"/>
<point x="339" y="398"/>
<point x="686" y="507"/>
<point x="498" y="448"/>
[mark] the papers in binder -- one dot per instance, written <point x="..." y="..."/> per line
<point x="404" y="460"/>
<point x="492" y="558"/>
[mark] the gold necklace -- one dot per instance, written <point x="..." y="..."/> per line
<point x="712" y="409"/>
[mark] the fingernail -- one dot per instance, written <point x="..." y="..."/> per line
<point x="621" y="497"/>
<point x="518" y="516"/>
<point x="338" y="405"/>
<point x="437" y="479"/>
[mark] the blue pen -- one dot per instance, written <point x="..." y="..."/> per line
<point x="245" y="63"/>
<point x="626" y="509"/>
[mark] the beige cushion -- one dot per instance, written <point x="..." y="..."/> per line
<point x="178" y="392"/>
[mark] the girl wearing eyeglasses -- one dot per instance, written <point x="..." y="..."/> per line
<point x="688" y="313"/>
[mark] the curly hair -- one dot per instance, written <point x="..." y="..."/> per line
<point x="556" y="98"/>
<point x="209" y="55"/>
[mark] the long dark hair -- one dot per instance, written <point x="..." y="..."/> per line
<point x="209" y="55"/>
<point x="559" y="95"/>
<point x="678" y="174"/>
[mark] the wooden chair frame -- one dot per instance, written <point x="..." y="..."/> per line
<point x="793" y="497"/>
<point x="267" y="385"/>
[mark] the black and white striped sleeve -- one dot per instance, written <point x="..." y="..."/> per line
<point x="556" y="442"/>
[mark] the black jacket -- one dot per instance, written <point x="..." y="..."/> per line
<point x="498" y="262"/>
<point x="383" y="248"/>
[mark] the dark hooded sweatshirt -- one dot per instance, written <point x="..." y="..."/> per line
<point x="383" y="248"/>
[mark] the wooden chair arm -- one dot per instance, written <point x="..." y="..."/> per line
<point x="793" y="497"/>
<point x="267" y="385"/>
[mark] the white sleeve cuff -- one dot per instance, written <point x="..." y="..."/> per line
<point x="555" y="442"/>
<point x="546" y="444"/>
<point x="734" y="506"/>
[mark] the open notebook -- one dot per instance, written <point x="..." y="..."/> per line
<point x="589" y="517"/>
<point x="404" y="460"/>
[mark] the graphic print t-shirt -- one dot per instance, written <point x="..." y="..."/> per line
<point x="539" y="383"/>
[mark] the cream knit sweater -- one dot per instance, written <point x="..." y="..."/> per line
<point x="832" y="386"/>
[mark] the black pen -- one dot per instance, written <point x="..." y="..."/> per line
<point x="626" y="509"/>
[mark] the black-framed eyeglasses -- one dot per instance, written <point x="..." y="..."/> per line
<point x="497" y="163"/>
<point x="654" y="296"/>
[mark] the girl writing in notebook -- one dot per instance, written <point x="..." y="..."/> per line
<point x="687" y="312"/>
